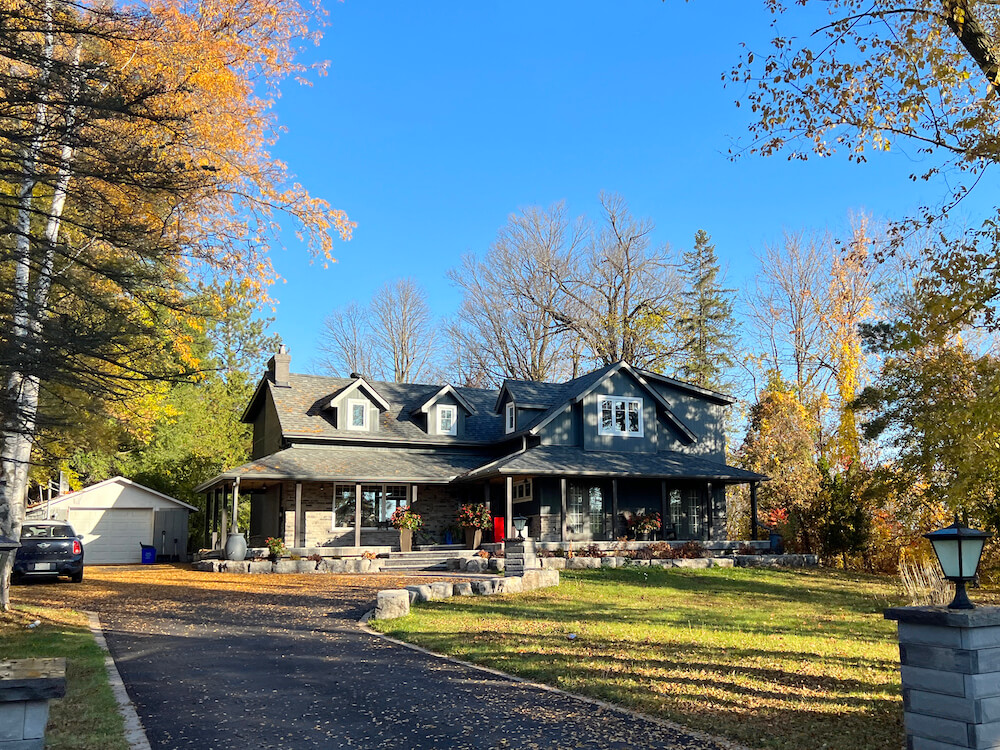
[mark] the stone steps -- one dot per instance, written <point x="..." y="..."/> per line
<point x="435" y="558"/>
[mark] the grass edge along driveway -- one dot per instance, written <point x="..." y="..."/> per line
<point x="770" y="658"/>
<point x="87" y="717"/>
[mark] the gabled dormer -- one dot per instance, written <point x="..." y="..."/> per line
<point x="520" y="402"/>
<point x="357" y="406"/>
<point x="445" y="412"/>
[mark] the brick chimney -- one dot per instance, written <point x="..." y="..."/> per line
<point x="278" y="367"/>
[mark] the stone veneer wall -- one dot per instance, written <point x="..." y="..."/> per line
<point x="438" y="506"/>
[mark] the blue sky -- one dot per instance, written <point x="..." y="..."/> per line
<point x="439" y="119"/>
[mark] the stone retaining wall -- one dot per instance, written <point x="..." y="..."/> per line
<point x="326" y="565"/>
<point x="480" y="565"/>
<point x="391" y="603"/>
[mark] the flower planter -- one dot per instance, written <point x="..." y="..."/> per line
<point x="406" y="540"/>
<point x="473" y="538"/>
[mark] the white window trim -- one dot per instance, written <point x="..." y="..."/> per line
<point x="351" y="403"/>
<point x="613" y="430"/>
<point x="524" y="486"/>
<point x="509" y="417"/>
<point x="447" y="409"/>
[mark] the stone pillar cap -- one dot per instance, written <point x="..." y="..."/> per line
<point x="980" y="617"/>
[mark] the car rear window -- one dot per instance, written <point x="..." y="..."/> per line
<point x="42" y="531"/>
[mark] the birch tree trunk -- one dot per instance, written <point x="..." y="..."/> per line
<point x="23" y="387"/>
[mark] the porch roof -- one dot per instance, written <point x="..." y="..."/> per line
<point x="558" y="460"/>
<point x="334" y="464"/>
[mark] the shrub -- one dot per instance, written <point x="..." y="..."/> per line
<point x="315" y="557"/>
<point x="276" y="547"/>
<point x="591" y="550"/>
<point x="404" y="518"/>
<point x="747" y="549"/>
<point x="369" y="555"/>
<point x="690" y="550"/>
<point x="662" y="551"/>
<point x="475" y="516"/>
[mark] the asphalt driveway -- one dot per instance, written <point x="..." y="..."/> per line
<point x="220" y="662"/>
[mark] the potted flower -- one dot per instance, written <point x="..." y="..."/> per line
<point x="407" y="522"/>
<point x="775" y="520"/>
<point x="646" y="523"/>
<point x="275" y="548"/>
<point x="474" y="518"/>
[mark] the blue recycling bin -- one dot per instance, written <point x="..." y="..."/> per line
<point x="148" y="553"/>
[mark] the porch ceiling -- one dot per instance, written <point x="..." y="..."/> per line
<point x="333" y="464"/>
<point x="557" y="460"/>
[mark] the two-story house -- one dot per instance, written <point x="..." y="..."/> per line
<point x="334" y="457"/>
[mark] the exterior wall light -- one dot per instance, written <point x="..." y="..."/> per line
<point x="958" y="550"/>
<point x="519" y="523"/>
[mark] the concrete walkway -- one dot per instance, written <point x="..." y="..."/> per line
<point x="282" y="663"/>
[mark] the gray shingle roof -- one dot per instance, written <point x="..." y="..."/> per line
<point x="332" y="463"/>
<point x="551" y="460"/>
<point x="302" y="411"/>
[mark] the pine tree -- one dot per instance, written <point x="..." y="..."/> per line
<point x="707" y="325"/>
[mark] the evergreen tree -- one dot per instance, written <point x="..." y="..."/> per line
<point x="706" y="323"/>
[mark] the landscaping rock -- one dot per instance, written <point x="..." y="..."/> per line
<point x="497" y="564"/>
<point x="485" y="587"/>
<point x="333" y="565"/>
<point x="548" y="578"/>
<point x="392" y="603"/>
<point x="305" y="566"/>
<point x="776" y="561"/>
<point x="455" y="563"/>
<point x="580" y="563"/>
<point x="531" y="580"/>
<point x="442" y="590"/>
<point x="610" y="562"/>
<point x="510" y="585"/>
<point x="463" y="589"/>
<point x="722" y="562"/>
<point x="476" y="565"/>
<point x="421" y="593"/>
<point x="698" y="562"/>
<point x="554" y="563"/>
<point x="259" y="566"/>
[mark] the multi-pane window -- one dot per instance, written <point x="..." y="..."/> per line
<point x="379" y="501"/>
<point x="357" y="414"/>
<point x="694" y="513"/>
<point x="620" y="416"/>
<point x="510" y="417"/>
<point x="447" y="420"/>
<point x="343" y="506"/>
<point x="521" y="491"/>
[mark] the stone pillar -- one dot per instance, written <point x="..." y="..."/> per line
<point x="950" y="669"/>
<point x="26" y="686"/>
<point x="520" y="556"/>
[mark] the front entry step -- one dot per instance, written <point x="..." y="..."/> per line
<point x="423" y="558"/>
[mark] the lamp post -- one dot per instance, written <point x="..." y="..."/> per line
<point x="519" y="523"/>
<point x="958" y="549"/>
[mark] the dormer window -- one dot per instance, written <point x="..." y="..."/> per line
<point x="357" y="414"/>
<point x="447" y="420"/>
<point x="509" y="418"/>
<point x="620" y="416"/>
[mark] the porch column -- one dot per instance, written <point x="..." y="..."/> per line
<point x="508" y="523"/>
<point x="298" y="533"/>
<point x="224" y="520"/>
<point x="663" y="509"/>
<point x="753" y="510"/>
<point x="208" y="509"/>
<point x="236" y="499"/>
<point x="709" y="509"/>
<point x="357" y="515"/>
<point x="563" y="531"/>
<point x="614" y="509"/>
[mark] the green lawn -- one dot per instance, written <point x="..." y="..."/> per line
<point x="773" y="659"/>
<point x="87" y="718"/>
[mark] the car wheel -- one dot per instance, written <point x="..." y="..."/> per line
<point x="77" y="577"/>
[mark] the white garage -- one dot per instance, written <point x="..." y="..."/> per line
<point x="117" y="517"/>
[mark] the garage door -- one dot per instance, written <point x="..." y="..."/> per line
<point x="113" y="536"/>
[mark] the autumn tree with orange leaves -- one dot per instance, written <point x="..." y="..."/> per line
<point x="134" y="166"/>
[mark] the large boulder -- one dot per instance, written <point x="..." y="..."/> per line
<point x="442" y="590"/>
<point x="392" y="603"/>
